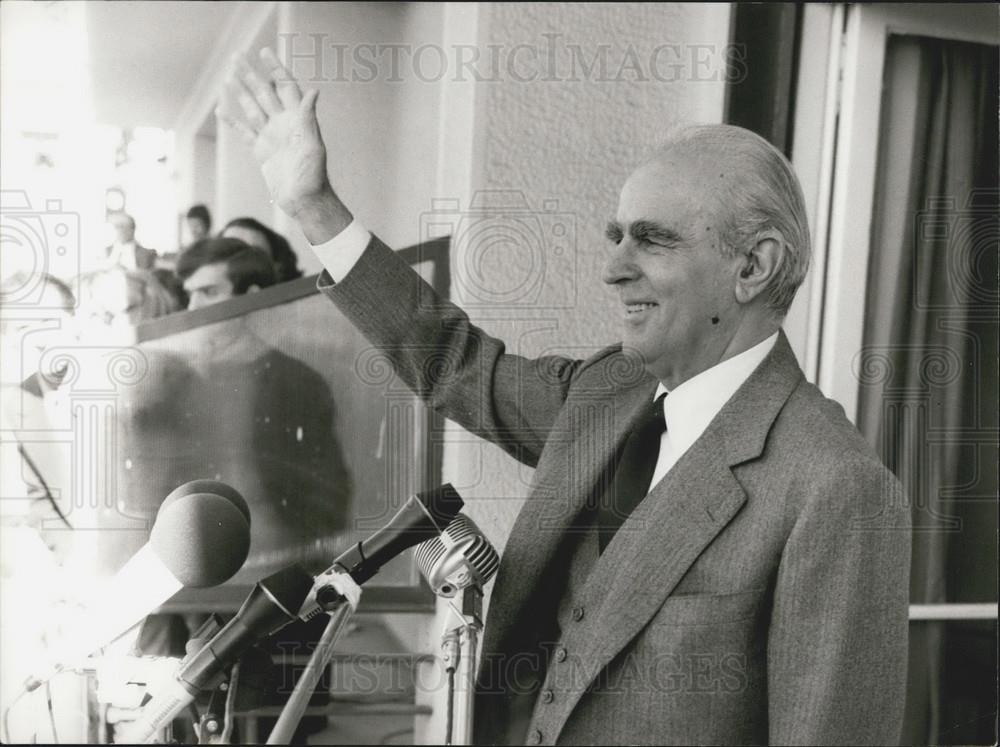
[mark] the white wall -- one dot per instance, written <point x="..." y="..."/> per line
<point x="380" y="129"/>
<point x="214" y="166"/>
<point x="204" y="179"/>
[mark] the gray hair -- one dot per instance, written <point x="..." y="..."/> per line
<point x="765" y="196"/>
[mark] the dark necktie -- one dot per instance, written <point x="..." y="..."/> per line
<point x="633" y="472"/>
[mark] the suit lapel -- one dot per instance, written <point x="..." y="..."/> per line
<point x="681" y="516"/>
<point x="577" y="455"/>
<point x="656" y="545"/>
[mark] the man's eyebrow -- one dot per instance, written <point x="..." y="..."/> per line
<point x="614" y="231"/>
<point x="645" y="230"/>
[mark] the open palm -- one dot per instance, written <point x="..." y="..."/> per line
<point x="280" y="123"/>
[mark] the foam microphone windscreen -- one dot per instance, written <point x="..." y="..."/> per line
<point x="202" y="533"/>
<point x="211" y="486"/>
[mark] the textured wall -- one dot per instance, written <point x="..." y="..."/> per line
<point x="556" y="132"/>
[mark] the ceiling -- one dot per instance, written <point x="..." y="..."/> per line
<point x="146" y="56"/>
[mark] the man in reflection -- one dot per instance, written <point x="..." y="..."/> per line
<point x="263" y="420"/>
<point x="198" y="222"/>
<point x="125" y="250"/>
<point x="215" y="270"/>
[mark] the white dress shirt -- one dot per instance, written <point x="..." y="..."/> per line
<point x="688" y="409"/>
<point x="341" y="253"/>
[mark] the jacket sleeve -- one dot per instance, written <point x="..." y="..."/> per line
<point x="452" y="365"/>
<point x="837" y="646"/>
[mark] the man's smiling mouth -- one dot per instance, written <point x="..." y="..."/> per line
<point x="638" y="308"/>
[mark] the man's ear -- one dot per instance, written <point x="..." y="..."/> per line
<point x="760" y="265"/>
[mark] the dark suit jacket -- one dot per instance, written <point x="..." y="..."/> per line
<point x="758" y="593"/>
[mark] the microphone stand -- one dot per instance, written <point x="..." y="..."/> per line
<point x="296" y="705"/>
<point x="462" y="673"/>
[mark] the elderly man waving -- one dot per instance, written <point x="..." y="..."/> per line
<point x="710" y="552"/>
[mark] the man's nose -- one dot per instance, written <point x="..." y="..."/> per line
<point x="620" y="266"/>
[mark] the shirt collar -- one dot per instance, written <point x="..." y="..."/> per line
<point x="690" y="407"/>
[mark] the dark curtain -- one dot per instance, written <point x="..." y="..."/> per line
<point x="928" y="369"/>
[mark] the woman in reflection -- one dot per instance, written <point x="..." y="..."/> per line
<point x="255" y="233"/>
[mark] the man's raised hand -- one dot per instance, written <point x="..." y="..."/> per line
<point x="279" y="122"/>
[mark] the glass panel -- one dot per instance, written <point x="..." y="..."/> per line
<point x="291" y="406"/>
<point x="286" y="402"/>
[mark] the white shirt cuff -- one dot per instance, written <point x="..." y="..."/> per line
<point x="342" y="252"/>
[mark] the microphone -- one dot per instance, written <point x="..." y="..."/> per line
<point x="271" y="605"/>
<point x="293" y="593"/>
<point x="422" y="516"/>
<point x="200" y="538"/>
<point x="460" y="557"/>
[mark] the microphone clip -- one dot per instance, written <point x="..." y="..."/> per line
<point x="331" y="588"/>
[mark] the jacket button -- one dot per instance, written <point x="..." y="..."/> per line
<point x="560" y="654"/>
<point x="578" y="613"/>
<point x="547" y="696"/>
<point x="535" y="737"/>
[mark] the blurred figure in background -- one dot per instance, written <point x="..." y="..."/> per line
<point x="148" y="416"/>
<point x="255" y="233"/>
<point x="34" y="473"/>
<point x="126" y="251"/>
<point x="117" y="299"/>
<point x="47" y="321"/>
<point x="215" y="270"/>
<point x="36" y="544"/>
<point x="198" y="223"/>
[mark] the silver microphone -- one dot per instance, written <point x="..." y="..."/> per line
<point x="459" y="557"/>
